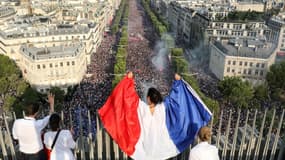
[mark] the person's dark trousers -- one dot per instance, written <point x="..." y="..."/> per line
<point x="37" y="156"/>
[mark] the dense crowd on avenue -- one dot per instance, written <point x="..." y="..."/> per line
<point x="94" y="89"/>
<point x="141" y="52"/>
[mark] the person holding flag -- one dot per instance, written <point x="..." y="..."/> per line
<point x="158" y="130"/>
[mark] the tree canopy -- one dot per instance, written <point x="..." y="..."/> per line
<point x="12" y="85"/>
<point x="236" y="91"/>
<point x="276" y="80"/>
<point x="243" y="16"/>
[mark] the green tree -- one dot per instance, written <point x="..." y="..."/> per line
<point x="59" y="97"/>
<point x="236" y="91"/>
<point x="116" y="80"/>
<point x="180" y="65"/>
<point x="30" y="95"/>
<point x="12" y="85"/>
<point x="261" y="92"/>
<point x="177" y="52"/>
<point x="276" y="80"/>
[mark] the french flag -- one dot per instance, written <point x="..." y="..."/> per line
<point x="166" y="132"/>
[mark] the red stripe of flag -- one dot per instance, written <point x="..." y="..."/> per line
<point x="119" y="115"/>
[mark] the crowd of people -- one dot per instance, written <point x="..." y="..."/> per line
<point x="141" y="51"/>
<point x="94" y="89"/>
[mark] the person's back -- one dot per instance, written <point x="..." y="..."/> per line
<point x="28" y="132"/>
<point x="63" y="145"/>
<point x="203" y="150"/>
<point x="64" y="142"/>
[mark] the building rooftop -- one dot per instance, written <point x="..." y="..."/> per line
<point x="6" y="11"/>
<point x="22" y="30"/>
<point x="43" y="53"/>
<point x="246" y="48"/>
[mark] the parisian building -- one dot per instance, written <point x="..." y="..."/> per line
<point x="53" y="45"/>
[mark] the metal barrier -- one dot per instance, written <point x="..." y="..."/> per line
<point x="240" y="140"/>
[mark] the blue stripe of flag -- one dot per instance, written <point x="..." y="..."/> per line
<point x="185" y="114"/>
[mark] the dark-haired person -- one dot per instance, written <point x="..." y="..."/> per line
<point x="63" y="143"/>
<point x="155" y="130"/>
<point x="28" y="131"/>
<point x="204" y="150"/>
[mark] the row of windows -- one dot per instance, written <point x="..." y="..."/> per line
<point x="262" y="65"/>
<point x="247" y="71"/>
<point x="67" y="37"/>
<point x="238" y="26"/>
<point x="235" y="33"/>
<point x="56" y="65"/>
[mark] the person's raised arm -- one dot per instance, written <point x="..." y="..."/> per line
<point x="51" y="103"/>
<point x="43" y="122"/>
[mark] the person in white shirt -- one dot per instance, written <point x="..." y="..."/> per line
<point x="28" y="132"/>
<point x="64" y="142"/>
<point x="203" y="150"/>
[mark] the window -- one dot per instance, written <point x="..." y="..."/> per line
<point x="245" y="63"/>
<point x="261" y="73"/>
<point x="249" y="71"/>
<point x="50" y="65"/>
<point x="234" y="62"/>
<point x="67" y="63"/>
<point x="233" y="70"/>
<point x="228" y="69"/>
<point x="44" y="66"/>
<point x="39" y="66"/>
<point x="262" y="65"/>
<point x="240" y="63"/>
<point x="61" y="64"/>
<point x="250" y="64"/>
<point x="244" y="71"/>
<point x="256" y="72"/>
<point x="229" y="62"/>
<point x="73" y="63"/>
<point x="257" y="65"/>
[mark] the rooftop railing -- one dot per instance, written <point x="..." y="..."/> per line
<point x="239" y="135"/>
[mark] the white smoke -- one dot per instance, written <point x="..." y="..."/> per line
<point x="159" y="60"/>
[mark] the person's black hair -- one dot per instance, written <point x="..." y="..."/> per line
<point x="154" y="95"/>
<point x="54" y="121"/>
<point x="31" y="109"/>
